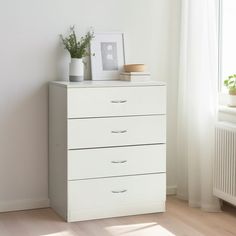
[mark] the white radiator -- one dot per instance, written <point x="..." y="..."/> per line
<point x="224" y="186"/>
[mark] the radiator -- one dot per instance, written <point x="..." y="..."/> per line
<point x="224" y="184"/>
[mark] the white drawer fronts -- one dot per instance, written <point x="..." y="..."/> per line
<point x="109" y="197"/>
<point x="103" y="162"/>
<point x="116" y="101"/>
<point x="116" y="131"/>
<point x="107" y="149"/>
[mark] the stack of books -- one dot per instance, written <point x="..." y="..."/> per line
<point x="135" y="76"/>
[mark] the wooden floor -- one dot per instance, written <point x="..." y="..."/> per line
<point x="178" y="220"/>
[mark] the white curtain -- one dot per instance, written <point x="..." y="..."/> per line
<point x="197" y="102"/>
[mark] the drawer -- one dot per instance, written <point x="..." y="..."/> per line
<point x="109" y="197"/>
<point x="116" y="131"/>
<point x="103" y="162"/>
<point x="116" y="101"/>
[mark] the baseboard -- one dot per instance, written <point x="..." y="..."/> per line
<point x="24" y="204"/>
<point x="171" y="190"/>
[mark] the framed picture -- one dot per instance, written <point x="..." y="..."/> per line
<point x="107" y="56"/>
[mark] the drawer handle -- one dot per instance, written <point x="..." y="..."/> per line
<point x="118" y="101"/>
<point x="121" y="191"/>
<point x="119" y="162"/>
<point x="119" y="131"/>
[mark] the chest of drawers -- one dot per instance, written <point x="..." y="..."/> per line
<point x="107" y="149"/>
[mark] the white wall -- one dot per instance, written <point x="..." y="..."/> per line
<point x="28" y="60"/>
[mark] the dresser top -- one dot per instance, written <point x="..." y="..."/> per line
<point x="114" y="83"/>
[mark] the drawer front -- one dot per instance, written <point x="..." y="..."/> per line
<point x="103" y="162"/>
<point x="119" y="101"/>
<point x="116" y="131"/>
<point x="108" y="197"/>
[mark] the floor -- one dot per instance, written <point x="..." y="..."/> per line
<point x="178" y="220"/>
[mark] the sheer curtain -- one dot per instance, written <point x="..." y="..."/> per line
<point x="197" y="102"/>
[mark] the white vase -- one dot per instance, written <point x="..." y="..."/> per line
<point x="76" y="70"/>
<point x="232" y="100"/>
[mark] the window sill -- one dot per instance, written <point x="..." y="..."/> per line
<point x="227" y="109"/>
<point x="226" y="113"/>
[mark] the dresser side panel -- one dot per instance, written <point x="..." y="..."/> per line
<point x="58" y="149"/>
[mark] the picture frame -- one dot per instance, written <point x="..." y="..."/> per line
<point x="107" y="55"/>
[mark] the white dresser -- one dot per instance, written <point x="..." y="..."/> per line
<point x="107" y="151"/>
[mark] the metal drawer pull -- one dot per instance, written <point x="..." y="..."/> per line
<point x="119" y="162"/>
<point x="118" y="101"/>
<point x="122" y="191"/>
<point x="119" y="131"/>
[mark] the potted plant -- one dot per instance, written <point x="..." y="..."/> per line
<point x="230" y="83"/>
<point x="78" y="49"/>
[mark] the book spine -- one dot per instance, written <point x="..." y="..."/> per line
<point x="134" y="78"/>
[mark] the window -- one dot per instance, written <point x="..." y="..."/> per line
<point x="227" y="40"/>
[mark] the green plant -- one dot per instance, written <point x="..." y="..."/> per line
<point x="77" y="48"/>
<point x="230" y="83"/>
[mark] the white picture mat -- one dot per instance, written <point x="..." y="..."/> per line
<point x="96" y="61"/>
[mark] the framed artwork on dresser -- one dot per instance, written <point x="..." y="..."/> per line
<point x="107" y="55"/>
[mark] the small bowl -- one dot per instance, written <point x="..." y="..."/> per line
<point x="135" y="68"/>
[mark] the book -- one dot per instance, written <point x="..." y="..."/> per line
<point x="135" y="76"/>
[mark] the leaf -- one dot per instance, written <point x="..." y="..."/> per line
<point x="77" y="49"/>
